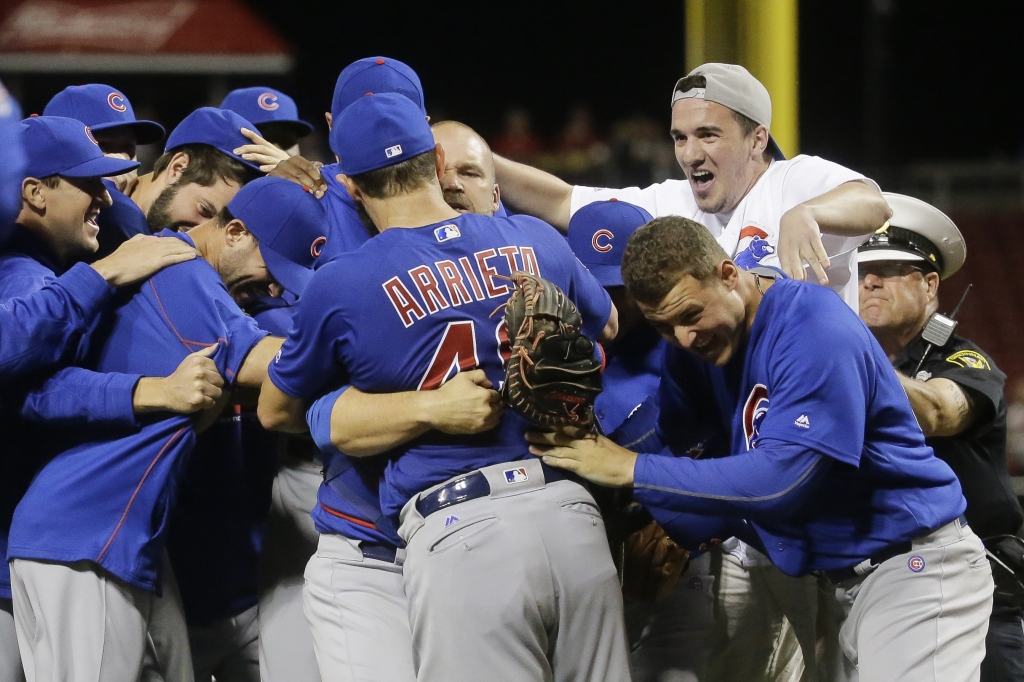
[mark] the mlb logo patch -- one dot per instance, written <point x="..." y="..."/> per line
<point x="392" y="152"/>
<point x="517" y="475"/>
<point x="446" y="232"/>
<point x="916" y="564"/>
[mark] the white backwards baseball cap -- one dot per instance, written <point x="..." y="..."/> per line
<point x="733" y="87"/>
<point x="917" y="233"/>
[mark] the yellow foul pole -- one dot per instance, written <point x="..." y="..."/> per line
<point x="760" y="35"/>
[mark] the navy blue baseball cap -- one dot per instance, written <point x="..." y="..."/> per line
<point x="598" y="233"/>
<point x="55" y="145"/>
<point x="375" y="76"/>
<point x="379" y="131"/>
<point x="218" y="128"/>
<point x="102" y="107"/>
<point x="289" y="223"/>
<point x="266" y="105"/>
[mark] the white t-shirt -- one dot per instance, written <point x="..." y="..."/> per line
<point x="750" y="233"/>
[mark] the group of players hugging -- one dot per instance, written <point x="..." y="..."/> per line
<point x="429" y="414"/>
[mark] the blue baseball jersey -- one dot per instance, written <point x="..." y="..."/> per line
<point x="216" y="535"/>
<point x="412" y="307"/>
<point x="47" y="327"/>
<point x="108" y="495"/>
<point x="631" y="374"/>
<point x="119" y="222"/>
<point x="811" y="387"/>
<point x="346" y="231"/>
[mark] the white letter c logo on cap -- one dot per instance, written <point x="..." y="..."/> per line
<point x="598" y="246"/>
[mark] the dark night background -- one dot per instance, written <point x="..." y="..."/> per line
<point x="947" y="79"/>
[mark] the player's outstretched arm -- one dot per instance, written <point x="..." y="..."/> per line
<point x="534" y="192"/>
<point x="141" y="257"/>
<point x="366" y="424"/>
<point x="253" y="371"/>
<point x="851" y="209"/>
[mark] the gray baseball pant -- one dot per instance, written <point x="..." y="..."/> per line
<point x="518" y="585"/>
<point x="920" y="616"/>
<point x="78" y="623"/>
<point x="227" y="650"/>
<point x="10" y="657"/>
<point x="285" y="643"/>
<point x="670" y="640"/>
<point x="358" y="615"/>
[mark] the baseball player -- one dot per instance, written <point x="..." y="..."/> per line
<point x="577" y="636"/>
<point x="353" y="585"/>
<point x="48" y="318"/>
<point x="228" y="480"/>
<point x="91" y="528"/>
<point x="273" y="113"/>
<point x="468" y="181"/>
<point x="763" y="210"/>
<point x="826" y="470"/>
<point x="954" y="387"/>
<point x="110" y="117"/>
<point x="671" y="636"/>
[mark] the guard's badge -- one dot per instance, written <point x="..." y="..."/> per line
<point x="969" y="359"/>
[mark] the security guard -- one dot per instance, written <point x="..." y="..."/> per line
<point x="955" y="389"/>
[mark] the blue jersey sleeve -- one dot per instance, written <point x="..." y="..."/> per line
<point x="820" y="378"/>
<point x="179" y="290"/>
<point x="76" y="396"/>
<point x="769" y="482"/>
<point x="310" y="359"/>
<point x="37" y="329"/>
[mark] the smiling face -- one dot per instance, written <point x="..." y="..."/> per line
<point x="468" y="181"/>
<point x="181" y="206"/>
<point x="69" y="216"/>
<point x="705" y="318"/>
<point x="720" y="162"/>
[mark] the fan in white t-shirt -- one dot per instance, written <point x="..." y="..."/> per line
<point x="763" y="209"/>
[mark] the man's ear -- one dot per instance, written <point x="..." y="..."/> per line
<point x="32" y="193"/>
<point x="729" y="274"/>
<point x="179" y="162"/>
<point x="235" y="232"/>
<point x="330" y="119"/>
<point x="496" y="196"/>
<point x="931" y="279"/>
<point x="760" y="142"/>
<point x="439" y="160"/>
<point x="353" y="191"/>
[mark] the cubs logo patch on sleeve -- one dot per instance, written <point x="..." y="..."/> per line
<point x="969" y="359"/>
<point x="754" y="412"/>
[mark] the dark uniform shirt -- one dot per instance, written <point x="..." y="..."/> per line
<point x="978" y="455"/>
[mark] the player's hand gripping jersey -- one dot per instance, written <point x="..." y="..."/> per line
<point x="412" y="307"/>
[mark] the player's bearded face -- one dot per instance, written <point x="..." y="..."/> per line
<point x="713" y="152"/>
<point x="182" y="206"/>
<point x="71" y="210"/>
<point x="705" y="318"/>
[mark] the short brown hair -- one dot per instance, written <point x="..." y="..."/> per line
<point x="51" y="181"/>
<point x="400" y="178"/>
<point x="747" y="125"/>
<point x="206" y="165"/>
<point x="665" y="250"/>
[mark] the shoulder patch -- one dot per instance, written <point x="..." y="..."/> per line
<point x="969" y="359"/>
